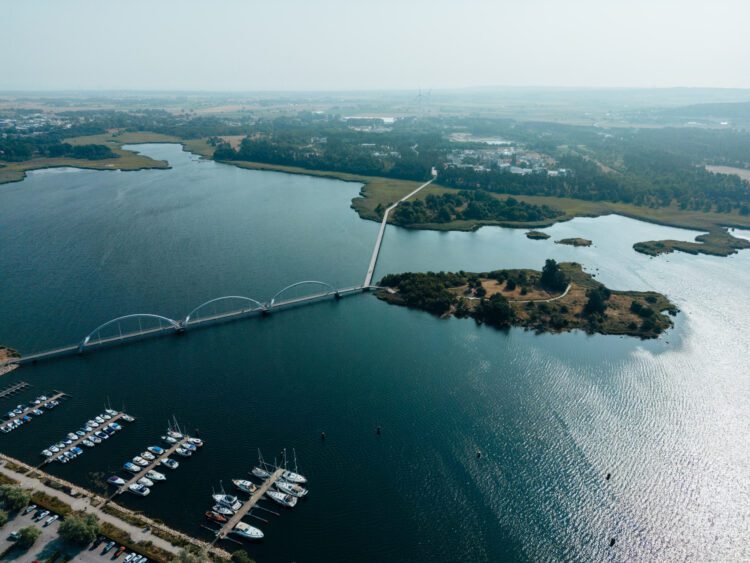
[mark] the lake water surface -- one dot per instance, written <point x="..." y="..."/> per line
<point x="552" y="414"/>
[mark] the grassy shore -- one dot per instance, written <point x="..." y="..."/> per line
<point x="127" y="160"/>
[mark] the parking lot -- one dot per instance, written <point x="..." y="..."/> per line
<point x="48" y="545"/>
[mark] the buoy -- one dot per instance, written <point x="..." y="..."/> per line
<point x="479" y="454"/>
<point x="322" y="435"/>
<point x="377" y="431"/>
<point x="611" y="542"/>
<point x="608" y="476"/>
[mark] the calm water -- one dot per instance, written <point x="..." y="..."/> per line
<point x="552" y="414"/>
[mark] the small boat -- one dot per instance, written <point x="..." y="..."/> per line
<point x="111" y="412"/>
<point x="223" y="510"/>
<point x="245" y="486"/>
<point x="80" y="433"/>
<point x="72" y="436"/>
<point x="140" y="461"/>
<point x="156" y="476"/>
<point x="47" y="453"/>
<point x="88" y="443"/>
<point x="215" y="516"/>
<point x="293" y="477"/>
<point x="102" y="435"/>
<point x="190" y="447"/>
<point x="169" y="439"/>
<point x="282" y="498"/>
<point x="230" y="501"/>
<point x="105" y="416"/>
<point x="139" y="490"/>
<point x="169" y="462"/>
<point x="77" y="450"/>
<point x="261" y="473"/>
<point x="174" y="434"/>
<point x="246" y="531"/>
<point x="183" y="452"/>
<point x="116" y="480"/>
<point x="132" y="467"/>
<point x="114" y="426"/>
<point x="95" y="439"/>
<point x="155" y="450"/>
<point x="148" y="455"/>
<point x="88" y="428"/>
<point x="146" y="482"/>
<point x="98" y="420"/>
<point x="127" y="418"/>
<point x="92" y="424"/>
<point x="291" y="488"/>
<point x="197" y="441"/>
<point x="54" y="449"/>
<point x="108" y="430"/>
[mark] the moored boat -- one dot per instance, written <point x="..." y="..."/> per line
<point x="260" y="473"/>
<point x="245" y="485"/>
<point x="223" y="510"/>
<point x="139" y="490"/>
<point x="116" y="480"/>
<point x="293" y="477"/>
<point x="183" y="452"/>
<point x="156" y="476"/>
<point x="247" y="531"/>
<point x="155" y="450"/>
<point x="132" y="467"/>
<point x="169" y="462"/>
<point x="146" y="482"/>
<point x="215" y="516"/>
<point x="283" y="499"/>
<point x="230" y="501"/>
<point x="291" y="488"/>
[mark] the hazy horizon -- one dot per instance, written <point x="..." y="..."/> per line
<point x="331" y="46"/>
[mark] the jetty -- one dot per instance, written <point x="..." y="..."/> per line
<point x="13" y="389"/>
<point x="80" y="439"/>
<point x="248" y="505"/>
<point x="57" y="395"/>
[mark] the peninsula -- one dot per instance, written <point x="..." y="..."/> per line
<point x="559" y="298"/>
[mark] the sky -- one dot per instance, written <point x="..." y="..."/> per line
<point x="252" y="45"/>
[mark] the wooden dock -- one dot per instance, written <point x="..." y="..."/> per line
<point x="150" y="466"/>
<point x="80" y="439"/>
<point x="57" y="395"/>
<point x="13" y="389"/>
<point x="248" y="505"/>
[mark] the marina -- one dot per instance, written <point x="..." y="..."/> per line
<point x="21" y="415"/>
<point x="84" y="436"/>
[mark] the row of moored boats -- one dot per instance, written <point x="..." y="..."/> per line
<point x="91" y="434"/>
<point x="152" y="456"/>
<point x="287" y="491"/>
<point x="20" y="415"/>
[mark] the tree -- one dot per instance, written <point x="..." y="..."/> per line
<point x="14" y="497"/>
<point x="553" y="278"/>
<point x="192" y="554"/>
<point x="79" y="530"/>
<point x="27" y="536"/>
<point x="241" y="556"/>
<point x="495" y="311"/>
<point x="597" y="303"/>
<point x="3" y="518"/>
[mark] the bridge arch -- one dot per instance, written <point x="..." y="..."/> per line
<point x="332" y="290"/>
<point x="170" y="322"/>
<point x="257" y="305"/>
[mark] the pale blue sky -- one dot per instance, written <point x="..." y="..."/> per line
<point x="368" y="44"/>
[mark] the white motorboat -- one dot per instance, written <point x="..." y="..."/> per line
<point x="245" y="486"/>
<point x="174" y="434"/>
<point x="230" y="501"/>
<point x="156" y="476"/>
<point x="183" y="452"/>
<point x="169" y="462"/>
<point x="283" y="499"/>
<point x="132" y="467"/>
<point x="146" y="482"/>
<point x="116" y="480"/>
<point x="155" y="450"/>
<point x="148" y="455"/>
<point x="88" y="443"/>
<point x="169" y="439"/>
<point x="223" y="510"/>
<point x="293" y="477"/>
<point x="95" y="439"/>
<point x="99" y="420"/>
<point x="72" y="436"/>
<point x="197" y="441"/>
<point x="127" y="418"/>
<point x="291" y="488"/>
<point x="246" y="531"/>
<point x="140" y="461"/>
<point x="139" y="490"/>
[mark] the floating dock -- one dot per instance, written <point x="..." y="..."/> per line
<point x="86" y="436"/>
<point x="13" y="389"/>
<point x="57" y="395"/>
<point x="227" y="528"/>
<point x="150" y="466"/>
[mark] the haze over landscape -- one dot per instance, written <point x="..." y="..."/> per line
<point x="365" y="281"/>
<point x="343" y="45"/>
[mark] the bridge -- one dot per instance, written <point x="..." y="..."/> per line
<point x="125" y="329"/>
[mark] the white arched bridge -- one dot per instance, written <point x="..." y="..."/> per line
<point x="230" y="307"/>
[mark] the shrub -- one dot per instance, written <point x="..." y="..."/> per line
<point x="80" y="529"/>
<point x="241" y="556"/>
<point x="13" y="497"/>
<point x="27" y="536"/>
<point x="3" y="518"/>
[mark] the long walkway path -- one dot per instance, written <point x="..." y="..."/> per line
<point x="381" y="232"/>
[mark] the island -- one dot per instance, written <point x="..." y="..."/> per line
<point x="576" y="241"/>
<point x="537" y="235"/>
<point x="559" y="298"/>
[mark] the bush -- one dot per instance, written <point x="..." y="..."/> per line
<point x="28" y="536"/>
<point x="13" y="497"/>
<point x="79" y="530"/>
<point x="241" y="556"/>
<point x="3" y="518"/>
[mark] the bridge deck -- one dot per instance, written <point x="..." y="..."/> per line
<point x="247" y="506"/>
